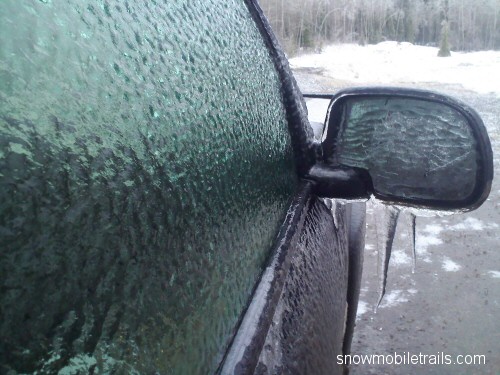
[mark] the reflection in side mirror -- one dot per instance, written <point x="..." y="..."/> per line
<point x="419" y="148"/>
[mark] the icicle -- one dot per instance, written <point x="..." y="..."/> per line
<point x="333" y="207"/>
<point x="413" y="226"/>
<point x="386" y="229"/>
<point x="337" y="208"/>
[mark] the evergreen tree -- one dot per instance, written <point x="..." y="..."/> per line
<point x="444" y="45"/>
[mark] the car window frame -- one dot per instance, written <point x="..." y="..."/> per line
<point x="244" y="350"/>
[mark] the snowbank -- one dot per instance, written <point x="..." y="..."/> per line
<point x="399" y="63"/>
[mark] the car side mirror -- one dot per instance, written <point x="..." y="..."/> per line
<point x="405" y="147"/>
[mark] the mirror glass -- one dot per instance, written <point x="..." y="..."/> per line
<point x="413" y="148"/>
<point x="316" y="113"/>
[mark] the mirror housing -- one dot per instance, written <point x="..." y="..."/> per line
<point x="406" y="147"/>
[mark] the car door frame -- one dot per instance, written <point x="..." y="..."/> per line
<point x="243" y="354"/>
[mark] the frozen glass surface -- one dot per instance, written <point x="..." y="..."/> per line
<point x="145" y="169"/>
<point x="412" y="148"/>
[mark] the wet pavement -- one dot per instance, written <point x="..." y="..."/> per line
<point x="450" y="306"/>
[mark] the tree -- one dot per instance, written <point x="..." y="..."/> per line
<point x="307" y="24"/>
<point x="444" y="47"/>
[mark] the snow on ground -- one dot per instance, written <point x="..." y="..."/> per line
<point x="362" y="308"/>
<point x="471" y="223"/>
<point x="426" y="237"/>
<point x="399" y="257"/>
<point x="395" y="297"/>
<point x="450" y="266"/>
<point x="494" y="274"/>
<point x="398" y="63"/>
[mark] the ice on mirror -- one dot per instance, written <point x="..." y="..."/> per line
<point x="412" y="148"/>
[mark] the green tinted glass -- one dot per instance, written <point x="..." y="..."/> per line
<point x="145" y="168"/>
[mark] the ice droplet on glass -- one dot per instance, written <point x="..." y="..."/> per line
<point x="386" y="229"/>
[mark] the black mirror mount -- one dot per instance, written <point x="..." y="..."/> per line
<point x="340" y="182"/>
<point x="406" y="147"/>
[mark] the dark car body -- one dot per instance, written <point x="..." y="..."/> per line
<point x="157" y="216"/>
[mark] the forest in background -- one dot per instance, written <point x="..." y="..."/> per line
<point x="460" y="25"/>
